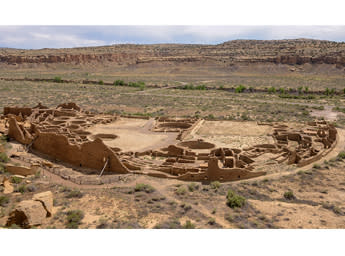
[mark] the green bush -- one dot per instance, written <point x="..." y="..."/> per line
<point x="74" y="218"/>
<point x="3" y="157"/>
<point x="211" y="221"/>
<point x="16" y="180"/>
<point x="57" y="79"/>
<point x="139" y="84"/>
<point x="74" y="194"/>
<point x="271" y="90"/>
<point x="144" y="187"/>
<point x="4" y="200"/>
<point x="188" y="225"/>
<point x="289" y="195"/>
<point x="119" y="83"/>
<point x="100" y="82"/>
<point x="234" y="200"/>
<point x="341" y="155"/>
<point x="21" y="189"/>
<point x="181" y="191"/>
<point x="240" y="88"/>
<point x="215" y="184"/>
<point x="193" y="186"/>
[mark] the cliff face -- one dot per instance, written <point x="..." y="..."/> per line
<point x="299" y="51"/>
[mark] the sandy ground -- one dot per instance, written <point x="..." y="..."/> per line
<point x="234" y="134"/>
<point x="134" y="135"/>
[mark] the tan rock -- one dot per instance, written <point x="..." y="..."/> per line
<point x="21" y="170"/>
<point x="46" y="198"/>
<point x="8" y="188"/>
<point x="27" y="213"/>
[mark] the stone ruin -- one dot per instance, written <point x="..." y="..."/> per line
<point x="60" y="134"/>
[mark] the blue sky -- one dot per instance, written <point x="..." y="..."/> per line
<point x="36" y="37"/>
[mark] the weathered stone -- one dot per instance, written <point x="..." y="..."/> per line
<point x="46" y="198"/>
<point x="27" y="213"/>
<point x="21" y="170"/>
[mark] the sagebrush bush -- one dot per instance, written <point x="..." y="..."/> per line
<point x="57" y="79"/>
<point x="74" y="194"/>
<point x="215" y="184"/>
<point x="144" y="187"/>
<point x="4" y="200"/>
<point x="74" y="218"/>
<point x="289" y="195"/>
<point x="181" y="191"/>
<point x="188" y="225"/>
<point x="233" y="200"/>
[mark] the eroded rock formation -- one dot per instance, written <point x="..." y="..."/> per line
<point x="295" y="51"/>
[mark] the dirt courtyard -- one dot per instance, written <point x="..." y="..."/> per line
<point x="134" y="134"/>
<point x="235" y="134"/>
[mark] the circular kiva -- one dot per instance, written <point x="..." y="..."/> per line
<point x="197" y="144"/>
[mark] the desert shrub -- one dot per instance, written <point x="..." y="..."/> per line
<point x="139" y="84"/>
<point x="193" y="186"/>
<point x="316" y="166"/>
<point x="21" y="189"/>
<point x="341" y="155"/>
<point x="281" y="90"/>
<point x="289" y="195"/>
<point x="300" y="89"/>
<point x="14" y="226"/>
<point x="144" y="187"/>
<point x="215" y="184"/>
<point x="240" y="88"/>
<point x="271" y="90"/>
<point x="16" y="180"/>
<point x="200" y="87"/>
<point x="102" y="223"/>
<point x="57" y="79"/>
<point x="74" y="194"/>
<point x="31" y="188"/>
<point x="74" y="218"/>
<point x="3" y="157"/>
<point x="211" y="221"/>
<point x="188" y="225"/>
<point x="229" y="218"/>
<point x="233" y="200"/>
<point x="181" y="191"/>
<point x="119" y="83"/>
<point x="100" y="82"/>
<point x="4" y="200"/>
<point x="306" y="89"/>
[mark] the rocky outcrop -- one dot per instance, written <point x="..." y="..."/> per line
<point x="21" y="170"/>
<point x="46" y="198"/>
<point x="33" y="212"/>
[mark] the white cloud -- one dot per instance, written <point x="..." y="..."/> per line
<point x="75" y="36"/>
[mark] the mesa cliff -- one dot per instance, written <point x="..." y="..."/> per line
<point x="296" y="51"/>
